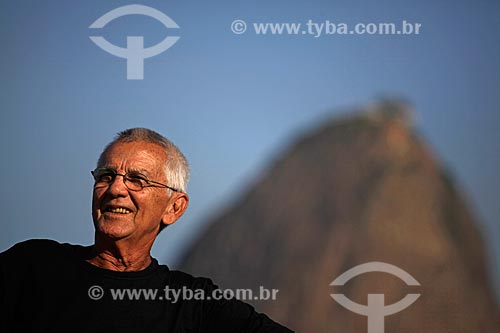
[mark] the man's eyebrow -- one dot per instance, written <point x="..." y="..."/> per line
<point x="141" y="171"/>
<point x="106" y="167"/>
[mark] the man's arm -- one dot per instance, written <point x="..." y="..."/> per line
<point x="232" y="315"/>
<point x="237" y="316"/>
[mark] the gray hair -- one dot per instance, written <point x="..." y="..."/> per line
<point x="177" y="168"/>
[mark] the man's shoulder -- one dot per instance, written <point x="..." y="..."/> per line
<point x="39" y="244"/>
<point x="34" y="248"/>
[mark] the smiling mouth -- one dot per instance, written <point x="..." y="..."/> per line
<point x="118" y="210"/>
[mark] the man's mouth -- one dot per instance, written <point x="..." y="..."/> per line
<point x="118" y="210"/>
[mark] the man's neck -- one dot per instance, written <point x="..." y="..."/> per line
<point x="120" y="256"/>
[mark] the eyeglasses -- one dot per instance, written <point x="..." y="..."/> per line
<point x="133" y="180"/>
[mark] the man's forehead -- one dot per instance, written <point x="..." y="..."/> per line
<point x="137" y="155"/>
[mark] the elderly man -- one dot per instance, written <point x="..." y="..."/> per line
<point x="115" y="285"/>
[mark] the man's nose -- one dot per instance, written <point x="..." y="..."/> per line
<point x="118" y="186"/>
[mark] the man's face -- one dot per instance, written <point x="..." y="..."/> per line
<point x="120" y="213"/>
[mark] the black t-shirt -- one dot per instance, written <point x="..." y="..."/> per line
<point x="46" y="286"/>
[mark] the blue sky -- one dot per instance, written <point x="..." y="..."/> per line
<point x="232" y="102"/>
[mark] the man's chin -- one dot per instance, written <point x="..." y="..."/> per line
<point x="113" y="229"/>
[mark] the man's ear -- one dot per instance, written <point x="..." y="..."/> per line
<point x="178" y="204"/>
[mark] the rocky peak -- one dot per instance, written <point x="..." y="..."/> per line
<point x="358" y="189"/>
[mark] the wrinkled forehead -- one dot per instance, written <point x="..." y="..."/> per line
<point x="138" y="156"/>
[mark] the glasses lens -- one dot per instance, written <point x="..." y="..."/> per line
<point x="135" y="181"/>
<point x="103" y="176"/>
